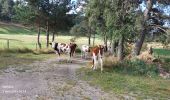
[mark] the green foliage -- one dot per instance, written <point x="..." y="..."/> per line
<point x="24" y="14"/>
<point x="6" y="10"/>
<point x="111" y="18"/>
<point x="78" y="50"/>
<point x="136" y="67"/>
<point x="80" y="29"/>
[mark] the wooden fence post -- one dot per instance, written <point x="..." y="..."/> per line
<point x="7" y="43"/>
<point x="36" y="47"/>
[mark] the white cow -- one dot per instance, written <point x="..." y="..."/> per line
<point x="64" y="48"/>
<point x="85" y="49"/>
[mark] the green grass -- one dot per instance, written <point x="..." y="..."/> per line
<point x="139" y="87"/>
<point x="164" y="56"/>
<point x="162" y="52"/>
<point x="29" y="41"/>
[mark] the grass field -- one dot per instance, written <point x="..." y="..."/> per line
<point x="29" y="41"/>
<point x="139" y="87"/>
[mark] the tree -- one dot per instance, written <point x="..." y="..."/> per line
<point x="82" y="29"/>
<point x="151" y="20"/>
<point x="114" y="19"/>
<point x="6" y="9"/>
<point x="52" y="15"/>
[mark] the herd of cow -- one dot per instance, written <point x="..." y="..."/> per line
<point x="96" y="52"/>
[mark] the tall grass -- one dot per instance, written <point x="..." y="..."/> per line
<point x="134" y="67"/>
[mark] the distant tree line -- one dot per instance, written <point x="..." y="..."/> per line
<point x="49" y="15"/>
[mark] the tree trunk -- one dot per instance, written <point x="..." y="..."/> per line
<point x="53" y="37"/>
<point x="120" y="49"/>
<point x="47" y="33"/>
<point x="106" y="42"/>
<point x="139" y="43"/>
<point x="94" y="40"/>
<point x="141" y="39"/>
<point x="89" y="40"/>
<point x="38" y="38"/>
<point x="89" y="31"/>
<point x="113" y="48"/>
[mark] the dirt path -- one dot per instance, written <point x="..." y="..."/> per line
<point x="48" y="80"/>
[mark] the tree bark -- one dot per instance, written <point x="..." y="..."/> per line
<point x="120" y="49"/>
<point x="47" y="34"/>
<point x="139" y="43"/>
<point x="38" y="38"/>
<point x="89" y="40"/>
<point x="113" y="48"/>
<point x="94" y="40"/>
<point x="53" y="37"/>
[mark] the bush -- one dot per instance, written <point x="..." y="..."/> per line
<point x="166" y="67"/>
<point x="135" y="67"/>
<point x="78" y="50"/>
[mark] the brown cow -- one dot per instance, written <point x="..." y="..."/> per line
<point x="97" y="56"/>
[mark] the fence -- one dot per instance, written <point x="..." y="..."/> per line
<point x="8" y="42"/>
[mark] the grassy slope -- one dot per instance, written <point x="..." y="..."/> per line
<point x="9" y="28"/>
<point x="29" y="37"/>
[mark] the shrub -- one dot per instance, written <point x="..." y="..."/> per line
<point x="135" y="67"/>
<point x="78" y="50"/>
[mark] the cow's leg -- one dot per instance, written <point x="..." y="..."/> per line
<point x="73" y="52"/>
<point x="92" y="63"/>
<point x="85" y="55"/>
<point x="70" y="55"/>
<point x="58" y="52"/>
<point x="101" y="63"/>
<point x="95" y="61"/>
<point x="81" y="54"/>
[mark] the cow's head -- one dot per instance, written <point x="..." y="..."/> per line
<point x="53" y="44"/>
<point x="101" y="48"/>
